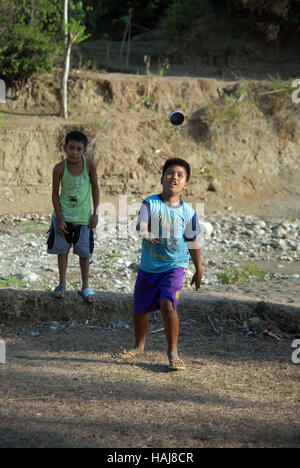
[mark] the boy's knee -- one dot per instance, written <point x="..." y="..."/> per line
<point x="166" y="306"/>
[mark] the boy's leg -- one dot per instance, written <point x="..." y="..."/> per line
<point x="172" y="282"/>
<point x="83" y="245"/>
<point x="85" y="267"/>
<point x="171" y="323"/>
<point x="146" y="293"/>
<point x="57" y="244"/>
<point x="140" y="329"/>
<point x="62" y="269"/>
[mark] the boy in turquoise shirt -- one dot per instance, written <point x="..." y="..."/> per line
<point x="73" y="220"/>
<point x="169" y="229"/>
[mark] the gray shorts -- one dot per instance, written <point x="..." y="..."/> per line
<point x="81" y="237"/>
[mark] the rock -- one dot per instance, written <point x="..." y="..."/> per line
<point x="279" y="232"/>
<point x="254" y="321"/>
<point x="260" y="223"/>
<point x="27" y="276"/>
<point x="134" y="266"/>
<point x="238" y="246"/>
<point x="280" y="244"/>
<point x="54" y="324"/>
<point x="208" y="229"/>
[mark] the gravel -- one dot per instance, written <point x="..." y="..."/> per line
<point x="228" y="241"/>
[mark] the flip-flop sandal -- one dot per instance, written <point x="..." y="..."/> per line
<point x="86" y="293"/>
<point x="59" y="288"/>
<point x="128" y="354"/>
<point x="176" y="364"/>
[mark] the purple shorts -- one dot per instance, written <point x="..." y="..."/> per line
<point x="150" y="288"/>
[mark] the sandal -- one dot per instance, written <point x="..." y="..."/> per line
<point x="129" y="354"/>
<point x="176" y="364"/>
<point x="86" y="293"/>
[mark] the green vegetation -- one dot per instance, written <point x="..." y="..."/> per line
<point x="241" y="274"/>
<point x="181" y="14"/>
<point x="29" y="42"/>
<point x="32" y="31"/>
<point x="12" y="282"/>
<point x="276" y="84"/>
<point x="110" y="257"/>
<point x="36" y="228"/>
<point x="227" y="111"/>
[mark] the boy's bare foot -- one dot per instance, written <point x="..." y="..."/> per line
<point x="59" y="291"/>
<point x="175" y="363"/>
<point x="88" y="294"/>
<point x="91" y="298"/>
<point x="131" y="353"/>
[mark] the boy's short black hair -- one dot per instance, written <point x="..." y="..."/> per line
<point x="77" y="136"/>
<point x="177" y="162"/>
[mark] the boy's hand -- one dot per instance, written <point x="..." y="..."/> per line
<point x="62" y="227"/>
<point x="93" y="221"/>
<point x="197" y="279"/>
<point x="149" y="237"/>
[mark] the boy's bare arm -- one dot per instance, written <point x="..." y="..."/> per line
<point x="143" y="232"/>
<point x="194" y="250"/>
<point x="95" y="193"/>
<point x="56" y="177"/>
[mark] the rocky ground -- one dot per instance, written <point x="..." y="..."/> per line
<point x="235" y="250"/>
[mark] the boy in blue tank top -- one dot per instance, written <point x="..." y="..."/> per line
<point x="73" y="220"/>
<point x="169" y="229"/>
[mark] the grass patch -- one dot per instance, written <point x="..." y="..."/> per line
<point x="36" y="229"/>
<point x="276" y="84"/>
<point x="12" y="282"/>
<point x="241" y="274"/>
<point x="227" y="111"/>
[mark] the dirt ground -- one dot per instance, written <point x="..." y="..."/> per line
<point x="64" y="384"/>
<point x="68" y="389"/>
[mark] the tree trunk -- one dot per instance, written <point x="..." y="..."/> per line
<point x="66" y="21"/>
<point x="64" y="81"/>
<point x="64" y="84"/>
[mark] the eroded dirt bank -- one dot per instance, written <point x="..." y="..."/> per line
<point x="221" y="303"/>
<point x="243" y="147"/>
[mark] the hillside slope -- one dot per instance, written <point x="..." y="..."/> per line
<point x="242" y="144"/>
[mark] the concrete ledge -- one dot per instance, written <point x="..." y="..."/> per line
<point x="18" y="306"/>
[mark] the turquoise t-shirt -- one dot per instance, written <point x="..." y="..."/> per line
<point x="175" y="225"/>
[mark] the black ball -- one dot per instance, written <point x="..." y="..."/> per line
<point x="176" y="117"/>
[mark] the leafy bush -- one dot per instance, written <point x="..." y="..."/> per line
<point x="181" y="14"/>
<point x="24" y="50"/>
<point x="30" y="39"/>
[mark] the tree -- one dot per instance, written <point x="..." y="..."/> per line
<point x="74" y="34"/>
<point x="29" y="38"/>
